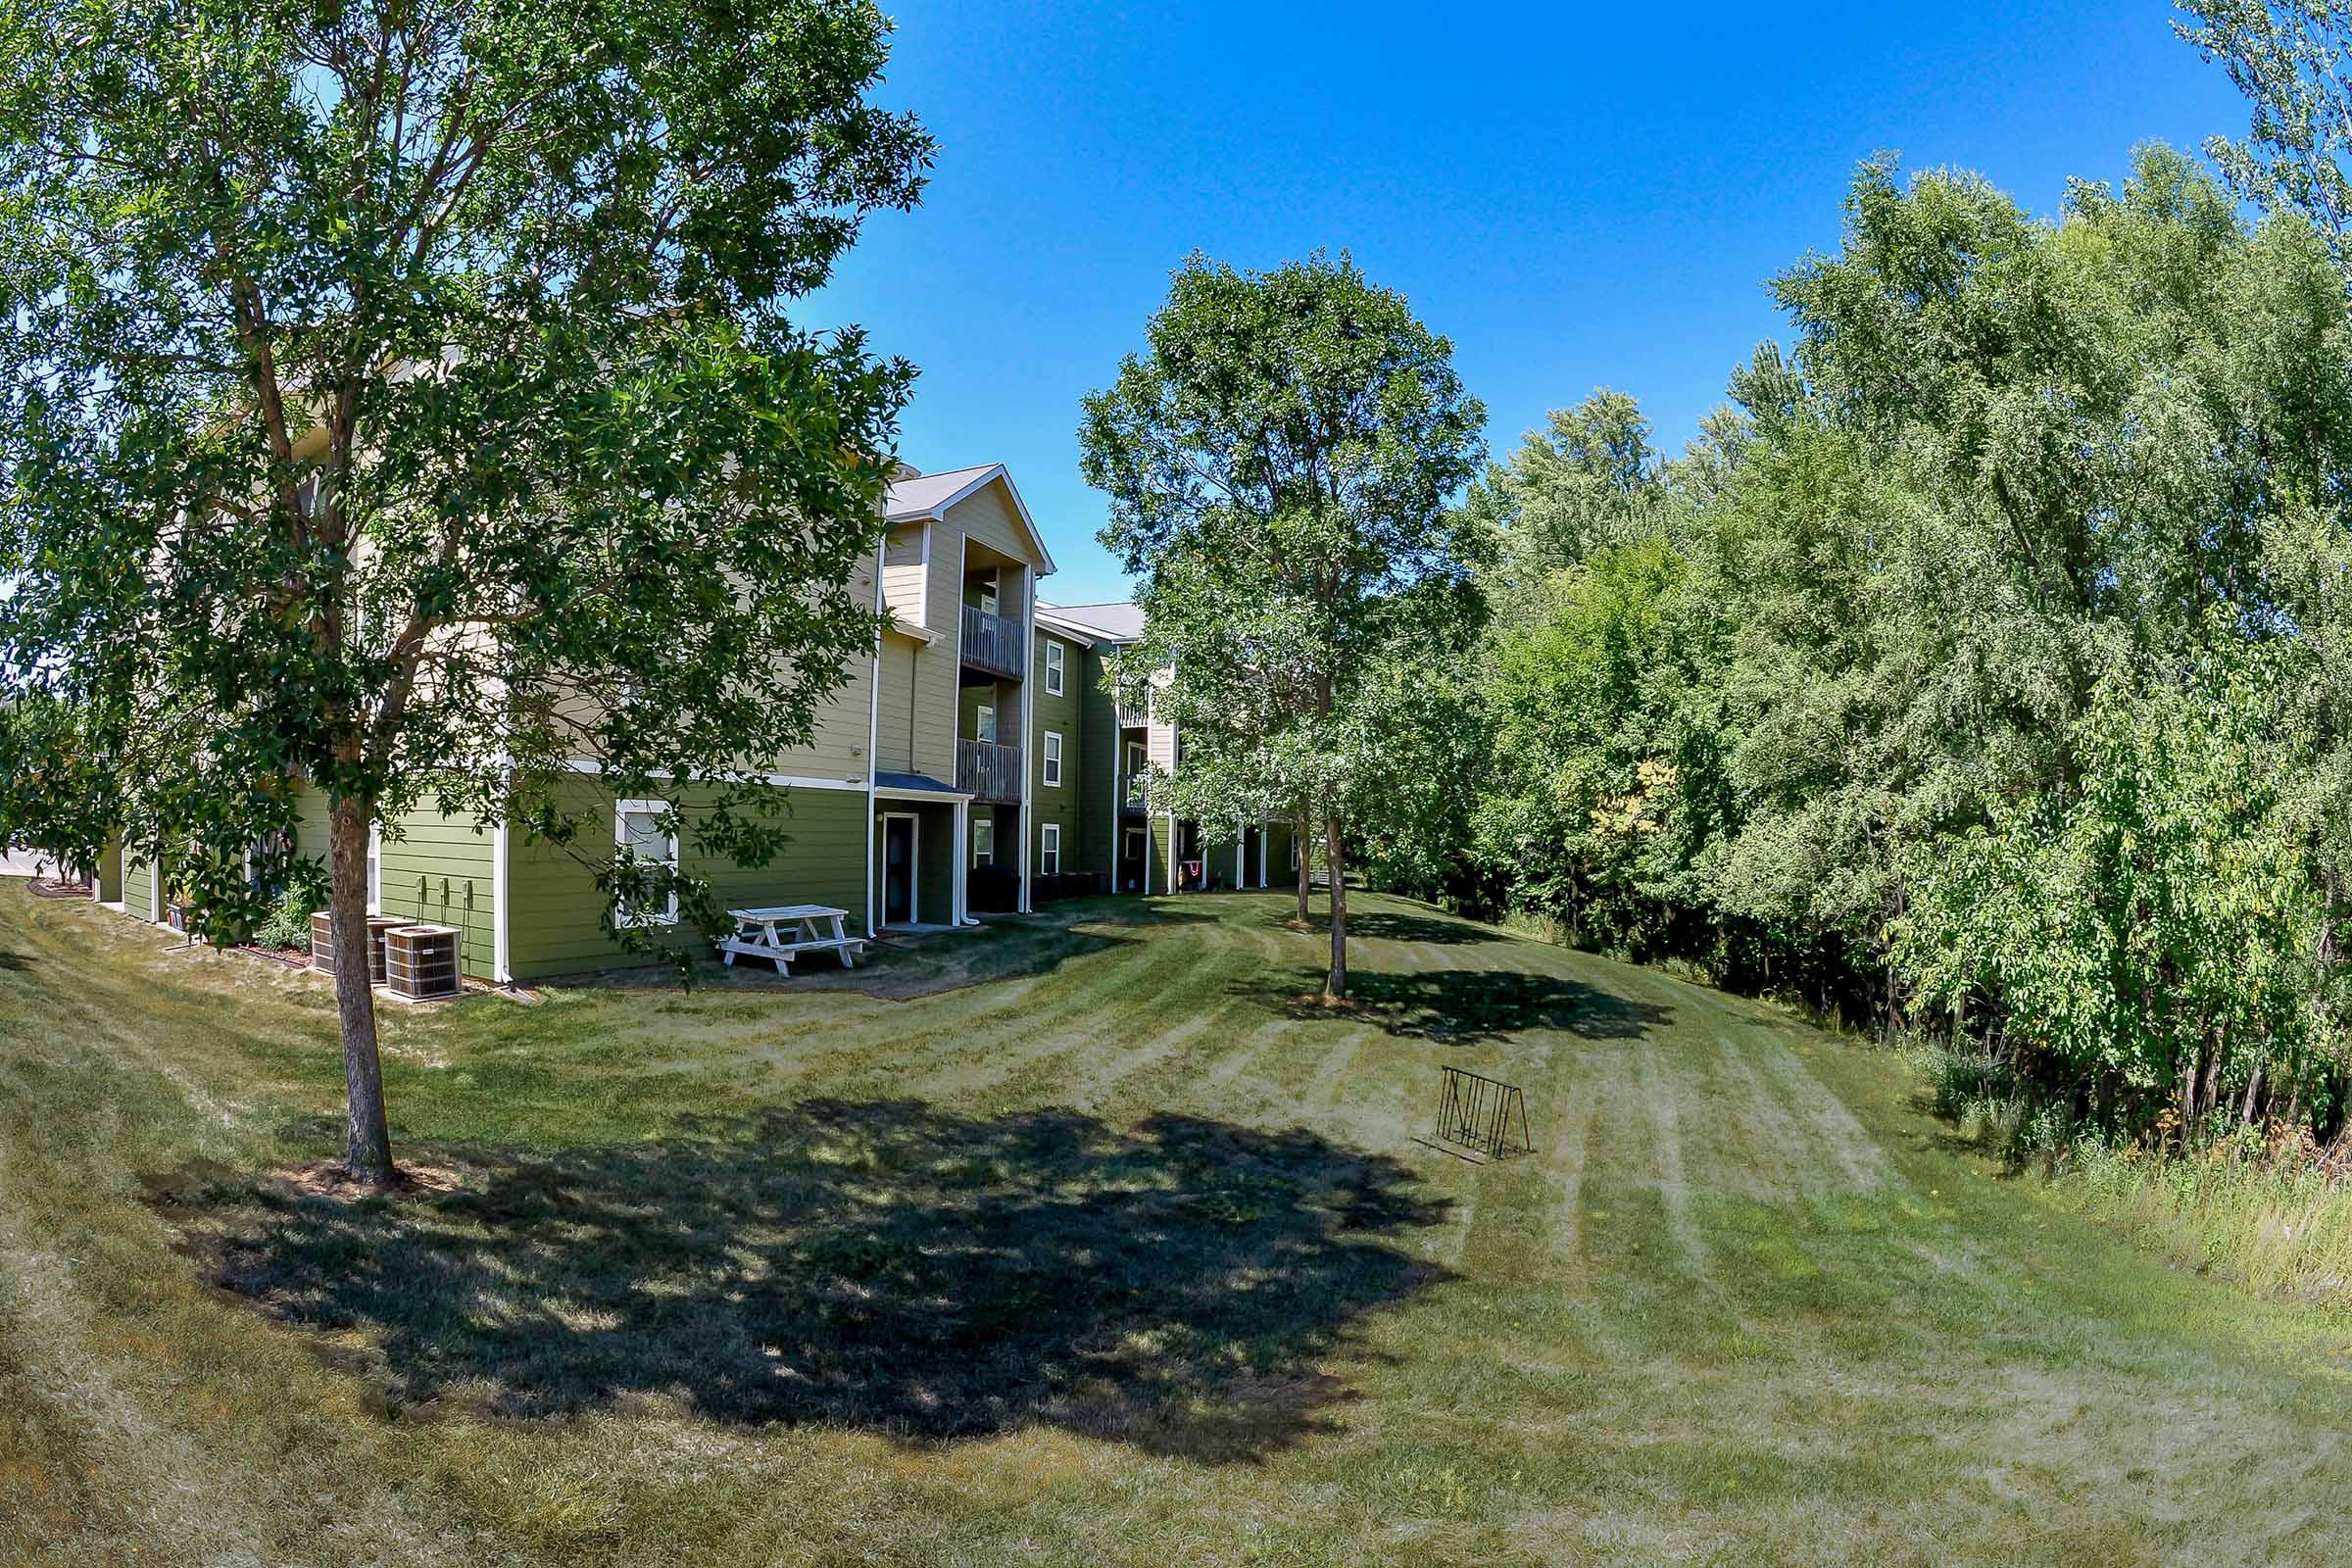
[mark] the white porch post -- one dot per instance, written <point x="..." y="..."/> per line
<point x="1029" y="741"/>
<point x="874" y="723"/>
<point x="964" y="858"/>
<point x="501" y="930"/>
<point x="1240" y="848"/>
<point x="1261" y="853"/>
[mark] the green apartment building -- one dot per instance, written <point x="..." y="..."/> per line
<point x="973" y="761"/>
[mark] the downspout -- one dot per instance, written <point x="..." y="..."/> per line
<point x="873" y="727"/>
<point x="501" y="950"/>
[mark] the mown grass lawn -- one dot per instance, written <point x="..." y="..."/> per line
<point x="1081" y="1241"/>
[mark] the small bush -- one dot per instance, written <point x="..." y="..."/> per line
<point x="289" y="921"/>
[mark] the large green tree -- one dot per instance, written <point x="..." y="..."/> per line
<point x="1280" y="463"/>
<point x="400" y="395"/>
<point x="2292" y="58"/>
<point x="1872" y="608"/>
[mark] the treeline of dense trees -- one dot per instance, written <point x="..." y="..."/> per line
<point x="1982" y="665"/>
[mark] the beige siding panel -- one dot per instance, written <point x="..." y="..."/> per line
<point x="843" y="720"/>
<point x="989" y="517"/>
<point x="932" y="683"/>
<point x="902" y="574"/>
<point x="893" y="739"/>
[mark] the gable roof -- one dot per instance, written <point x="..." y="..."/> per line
<point x="1118" y="623"/>
<point x="930" y="495"/>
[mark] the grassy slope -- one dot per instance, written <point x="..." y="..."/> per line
<point x="1125" y="1258"/>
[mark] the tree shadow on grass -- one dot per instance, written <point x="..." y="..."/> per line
<point x="1383" y="925"/>
<point x="1466" y="1007"/>
<point x="1181" y="1285"/>
<point x="16" y="961"/>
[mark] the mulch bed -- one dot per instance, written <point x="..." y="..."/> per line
<point x="288" y="957"/>
<point x="331" y="1177"/>
<point x="45" y="888"/>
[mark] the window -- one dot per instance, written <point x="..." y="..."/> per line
<point x="984" y="841"/>
<point x="375" y="869"/>
<point x="1053" y="664"/>
<point x="988" y="598"/>
<point x="1052" y="773"/>
<point x="1049" y="850"/>
<point x="637" y="831"/>
<point x="984" y="723"/>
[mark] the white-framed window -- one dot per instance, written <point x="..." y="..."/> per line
<point x="988" y="598"/>
<point x="1053" y="765"/>
<point x="984" y="841"/>
<point x="1049" y="850"/>
<point x="984" y="723"/>
<point x="1055" y="657"/>
<point x="375" y="869"/>
<point x="638" y="831"/>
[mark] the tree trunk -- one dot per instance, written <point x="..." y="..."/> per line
<point x="2188" y="1098"/>
<point x="1335" y="985"/>
<point x="369" y="1153"/>
<point x="1298" y="838"/>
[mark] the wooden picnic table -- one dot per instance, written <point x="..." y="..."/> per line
<point x="785" y="931"/>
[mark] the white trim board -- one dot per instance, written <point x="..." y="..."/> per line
<point x="794" y="782"/>
<point x="874" y="734"/>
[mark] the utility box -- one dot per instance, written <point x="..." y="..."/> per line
<point x="322" y="944"/>
<point x="420" y="962"/>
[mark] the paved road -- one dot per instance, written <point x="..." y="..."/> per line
<point x="17" y="864"/>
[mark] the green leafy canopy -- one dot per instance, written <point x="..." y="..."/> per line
<point x="400" y="395"/>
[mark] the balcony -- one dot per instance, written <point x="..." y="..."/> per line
<point x="990" y="771"/>
<point x="992" y="643"/>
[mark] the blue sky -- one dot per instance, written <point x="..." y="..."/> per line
<point x="1576" y="201"/>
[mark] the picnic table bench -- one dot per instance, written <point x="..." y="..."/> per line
<point x="787" y="930"/>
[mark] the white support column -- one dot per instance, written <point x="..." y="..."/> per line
<point x="1262" y="836"/>
<point x="964" y="858"/>
<point x="1029" y="739"/>
<point x="873" y="725"/>
<point x="500" y="942"/>
<point x="1240" y="848"/>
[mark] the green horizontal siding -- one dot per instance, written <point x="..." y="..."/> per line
<point x="442" y="870"/>
<point x="1097" y="774"/>
<point x="1279" y="870"/>
<point x="556" y="926"/>
<point x="1064" y="804"/>
<point x="138" y="888"/>
<point x="1164" y="855"/>
<point x="311" y="840"/>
